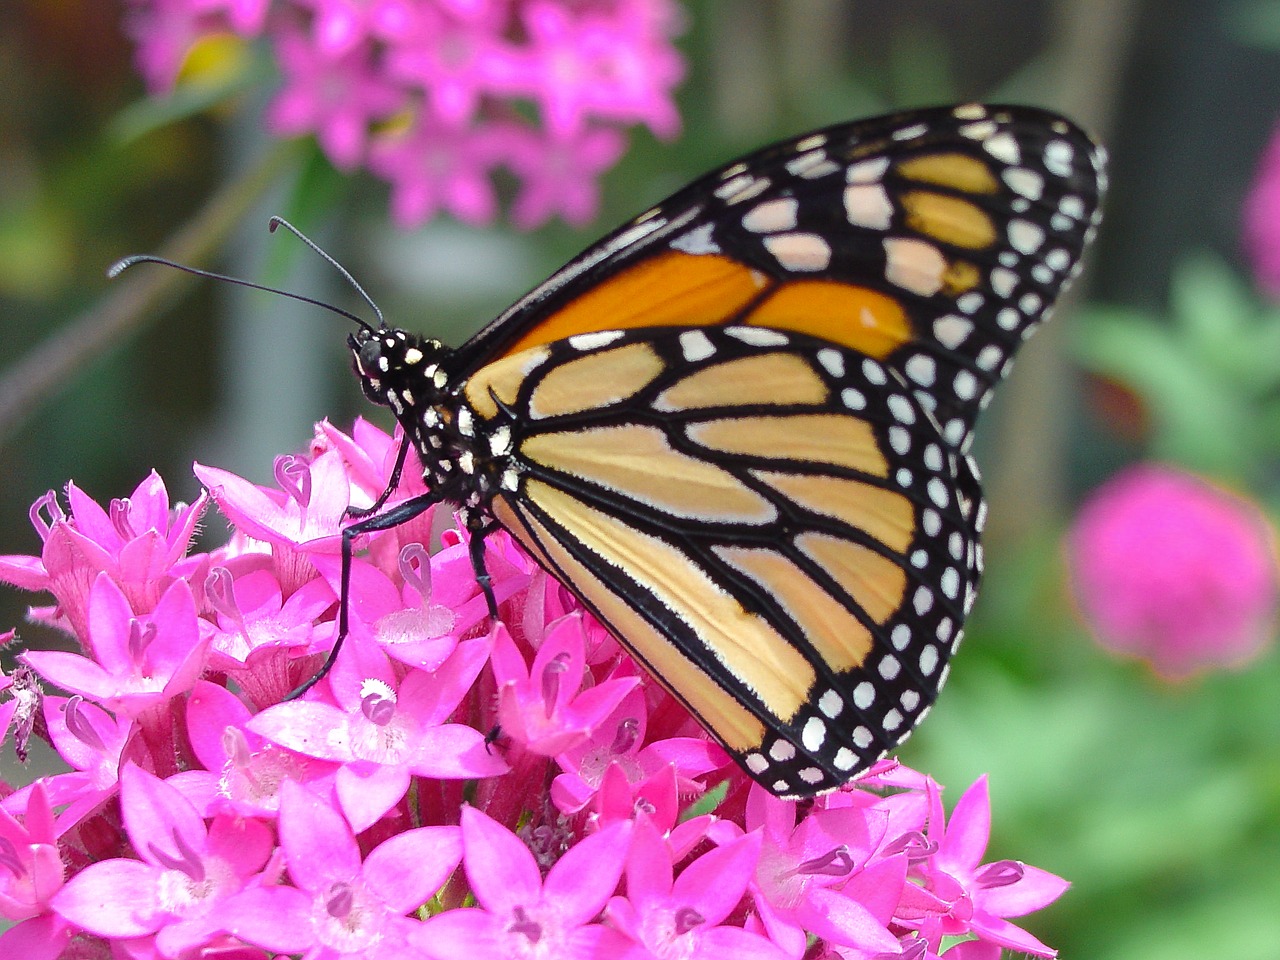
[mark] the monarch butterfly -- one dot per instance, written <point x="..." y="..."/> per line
<point x="737" y="427"/>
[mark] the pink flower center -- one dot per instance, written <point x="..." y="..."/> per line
<point x="625" y="737"/>
<point x="914" y="844"/>
<point x="119" y="512"/>
<point x="378" y="709"/>
<point x="339" y="900"/>
<point x="525" y="925"/>
<point x="9" y="859"/>
<point x="833" y="863"/>
<point x="78" y="725"/>
<point x="46" y="504"/>
<point x="187" y="862"/>
<point x="294" y="477"/>
<point x="221" y="596"/>
<point x="140" y="637"/>
<point x="686" y="919"/>
<point x="551" y="680"/>
<point x="1002" y="873"/>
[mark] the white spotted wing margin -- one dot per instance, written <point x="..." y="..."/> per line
<point x="771" y="524"/>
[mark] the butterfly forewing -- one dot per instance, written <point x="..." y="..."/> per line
<point x="934" y="241"/>
<point x="771" y="523"/>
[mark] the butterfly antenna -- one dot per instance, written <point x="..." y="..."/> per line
<point x="282" y="222"/>
<point x="120" y="266"/>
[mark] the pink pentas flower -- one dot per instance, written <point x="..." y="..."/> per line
<point x="981" y="896"/>
<point x="658" y="799"/>
<point x="685" y="916"/>
<point x="542" y="706"/>
<point x="383" y="730"/>
<point x="177" y="889"/>
<point x="620" y="743"/>
<point x="340" y="905"/>
<point x="139" y="541"/>
<point x="432" y="166"/>
<point x="594" y="63"/>
<point x="1261" y="215"/>
<point x="164" y="32"/>
<point x="31" y="874"/>
<point x="450" y="60"/>
<point x="558" y="175"/>
<point x="254" y="623"/>
<point x="240" y="772"/>
<point x="137" y="663"/>
<point x="1169" y="568"/>
<point x="805" y="867"/>
<point x="337" y="99"/>
<point x="32" y="867"/>
<point x="340" y="26"/>
<point x="369" y="455"/>
<point x="91" y="742"/>
<point x="521" y="914"/>
<point x="299" y="518"/>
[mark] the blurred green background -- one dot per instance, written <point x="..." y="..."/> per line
<point x="1160" y="802"/>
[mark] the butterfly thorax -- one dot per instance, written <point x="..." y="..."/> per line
<point x="410" y="374"/>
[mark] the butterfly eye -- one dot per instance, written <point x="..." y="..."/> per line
<point x="370" y="358"/>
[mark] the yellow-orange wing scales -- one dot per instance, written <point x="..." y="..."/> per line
<point x="772" y="524"/>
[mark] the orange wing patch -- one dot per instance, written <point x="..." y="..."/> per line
<point x="860" y="318"/>
<point x="672" y="289"/>
<point x="960" y="171"/>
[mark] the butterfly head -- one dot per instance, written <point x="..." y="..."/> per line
<point x="397" y="369"/>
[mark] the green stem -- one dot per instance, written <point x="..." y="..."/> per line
<point x="136" y="299"/>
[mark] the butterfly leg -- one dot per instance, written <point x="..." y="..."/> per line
<point x="475" y="547"/>
<point x="356" y="513"/>
<point x="400" y="513"/>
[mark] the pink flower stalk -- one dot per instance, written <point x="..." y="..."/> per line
<point x="203" y="813"/>
<point x="1261" y="215"/>
<point x="1173" y="570"/>
<point x="429" y="93"/>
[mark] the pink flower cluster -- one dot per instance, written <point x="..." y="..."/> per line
<point x="428" y="94"/>
<point x="452" y="788"/>
<point x="1168" y="568"/>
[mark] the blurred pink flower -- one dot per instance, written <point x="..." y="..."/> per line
<point x="336" y="98"/>
<point x="452" y="90"/>
<point x="1169" y="568"/>
<point x="1262" y="219"/>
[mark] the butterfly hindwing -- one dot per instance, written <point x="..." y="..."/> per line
<point x="772" y="523"/>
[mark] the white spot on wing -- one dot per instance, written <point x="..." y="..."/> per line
<point x="867" y="171"/>
<point x="695" y="345"/>
<point x="594" y="340"/>
<point x="801" y="252"/>
<point x="772" y="216"/>
<point x="913" y="264"/>
<point x="1004" y="148"/>
<point x="697" y="241"/>
<point x="868" y="205"/>
<point x="952" y="330"/>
